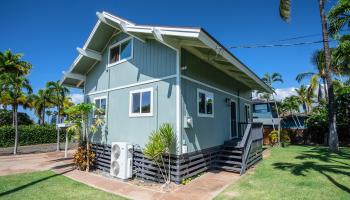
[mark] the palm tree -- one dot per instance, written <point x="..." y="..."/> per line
<point x="316" y="78"/>
<point x="285" y="10"/>
<point x="18" y="88"/>
<point x="12" y="63"/>
<point x="290" y="106"/>
<point x="49" y="113"/>
<point x="269" y="80"/>
<point x="304" y="97"/>
<point x="339" y="16"/>
<point x="41" y="102"/>
<point x="59" y="92"/>
<point x="79" y="117"/>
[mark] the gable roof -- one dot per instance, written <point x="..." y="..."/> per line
<point x="195" y="40"/>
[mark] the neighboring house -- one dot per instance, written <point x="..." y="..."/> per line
<point x="266" y="113"/>
<point x="145" y="75"/>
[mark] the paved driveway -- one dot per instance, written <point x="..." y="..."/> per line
<point x="205" y="187"/>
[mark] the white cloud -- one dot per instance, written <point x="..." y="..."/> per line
<point x="77" y="98"/>
<point x="282" y="93"/>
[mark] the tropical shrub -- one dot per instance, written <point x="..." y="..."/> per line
<point x="80" y="158"/>
<point x="6" y="118"/>
<point x="161" y="143"/>
<point x="28" y="135"/>
<point x="84" y="125"/>
<point x="273" y="136"/>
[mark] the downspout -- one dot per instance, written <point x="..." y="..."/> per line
<point x="107" y="102"/>
<point x="178" y="102"/>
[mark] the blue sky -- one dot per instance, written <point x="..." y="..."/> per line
<point x="48" y="32"/>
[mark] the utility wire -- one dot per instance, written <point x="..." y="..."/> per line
<point x="286" y="39"/>
<point x="275" y="45"/>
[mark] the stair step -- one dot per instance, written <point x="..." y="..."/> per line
<point x="226" y="168"/>
<point x="230" y="156"/>
<point x="229" y="162"/>
<point x="232" y="151"/>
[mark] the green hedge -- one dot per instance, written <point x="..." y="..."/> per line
<point x="29" y="134"/>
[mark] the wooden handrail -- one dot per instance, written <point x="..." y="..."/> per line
<point x="251" y="134"/>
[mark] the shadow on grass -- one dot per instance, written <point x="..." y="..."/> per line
<point x="32" y="183"/>
<point x="331" y="165"/>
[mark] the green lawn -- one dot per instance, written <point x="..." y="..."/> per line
<point x="48" y="185"/>
<point x="296" y="172"/>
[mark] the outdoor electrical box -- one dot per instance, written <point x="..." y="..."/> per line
<point x="188" y="122"/>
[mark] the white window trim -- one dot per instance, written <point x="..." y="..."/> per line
<point x="206" y="93"/>
<point x="124" y="59"/>
<point x="131" y="114"/>
<point x="99" y="98"/>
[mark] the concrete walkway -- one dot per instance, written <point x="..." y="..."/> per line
<point x="204" y="187"/>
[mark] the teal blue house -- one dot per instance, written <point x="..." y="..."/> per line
<point x="145" y="75"/>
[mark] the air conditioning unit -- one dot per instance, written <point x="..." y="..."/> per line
<point x="121" y="160"/>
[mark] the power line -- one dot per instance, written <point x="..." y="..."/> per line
<point x="305" y="36"/>
<point x="286" y="39"/>
<point x="275" y="45"/>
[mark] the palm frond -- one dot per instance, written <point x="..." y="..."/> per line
<point x="285" y="9"/>
<point x="339" y="16"/>
<point x="303" y="76"/>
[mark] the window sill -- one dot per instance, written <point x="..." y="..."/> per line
<point x="119" y="62"/>
<point x="206" y="115"/>
<point x="140" y="115"/>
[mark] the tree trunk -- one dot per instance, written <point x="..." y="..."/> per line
<point x="333" y="136"/>
<point x="58" y="130"/>
<point x="325" y="86"/>
<point x="43" y="116"/>
<point x="16" y="131"/>
<point x="87" y="147"/>
<point x="13" y="116"/>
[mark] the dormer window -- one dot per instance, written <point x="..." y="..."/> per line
<point x="120" y="52"/>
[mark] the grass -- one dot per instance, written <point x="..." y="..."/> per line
<point x="296" y="172"/>
<point x="48" y="185"/>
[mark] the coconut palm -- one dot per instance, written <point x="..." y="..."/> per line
<point x="49" y="113"/>
<point x="285" y="10"/>
<point x="269" y="79"/>
<point x="41" y="102"/>
<point x="13" y="63"/>
<point x="304" y="97"/>
<point x="316" y="78"/>
<point x="59" y="92"/>
<point x="17" y="89"/>
<point x="290" y="106"/>
<point x="339" y="16"/>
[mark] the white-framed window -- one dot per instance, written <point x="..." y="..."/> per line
<point x="205" y="103"/>
<point x="101" y="103"/>
<point x="141" y="103"/>
<point x="120" y="52"/>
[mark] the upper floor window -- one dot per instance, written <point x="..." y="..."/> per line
<point x="261" y="108"/>
<point x="141" y="103"/>
<point x="120" y="51"/>
<point x="101" y="103"/>
<point x="205" y="102"/>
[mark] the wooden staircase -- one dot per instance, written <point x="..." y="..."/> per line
<point x="238" y="155"/>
